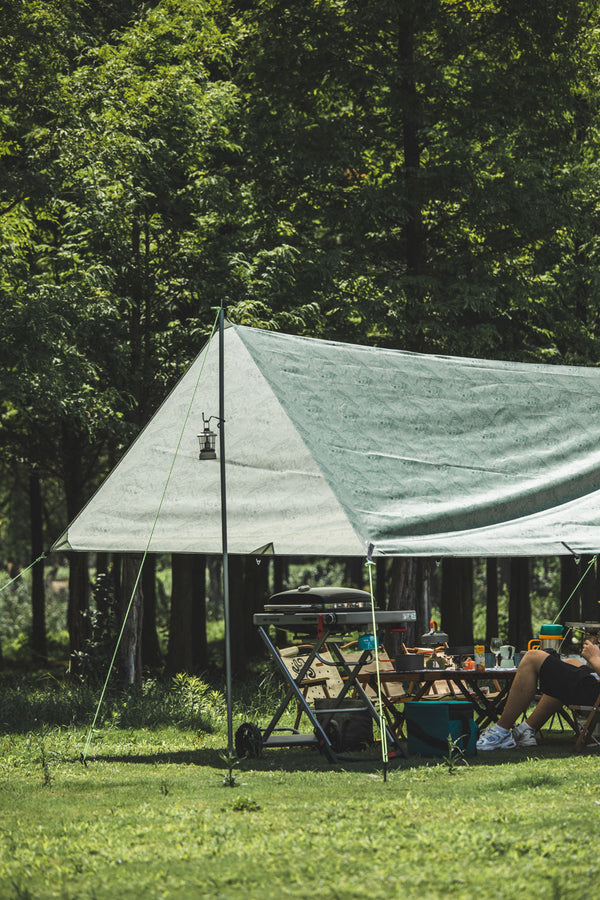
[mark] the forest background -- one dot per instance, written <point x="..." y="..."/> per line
<point x="415" y="174"/>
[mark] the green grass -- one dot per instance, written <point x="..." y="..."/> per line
<point x="150" y="816"/>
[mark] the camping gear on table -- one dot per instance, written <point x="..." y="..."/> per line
<point x="434" y="637"/>
<point x="550" y="638"/>
<point x="479" y="656"/>
<point x="434" y="727"/>
<point x="507" y="656"/>
<point x="409" y="662"/>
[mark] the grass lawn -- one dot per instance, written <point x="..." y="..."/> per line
<point x="150" y="817"/>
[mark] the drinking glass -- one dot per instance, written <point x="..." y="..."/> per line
<point x="495" y="645"/>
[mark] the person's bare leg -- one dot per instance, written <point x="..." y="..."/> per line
<point x="523" y="688"/>
<point x="548" y="706"/>
<point x="545" y="708"/>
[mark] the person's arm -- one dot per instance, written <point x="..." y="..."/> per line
<point x="591" y="654"/>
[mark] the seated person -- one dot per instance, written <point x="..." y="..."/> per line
<point x="568" y="681"/>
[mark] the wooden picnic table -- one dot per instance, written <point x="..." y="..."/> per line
<point x="399" y="688"/>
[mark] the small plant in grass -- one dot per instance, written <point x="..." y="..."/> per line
<point x="455" y="756"/>
<point x="42" y="758"/>
<point x="231" y="761"/>
<point x="245" y="804"/>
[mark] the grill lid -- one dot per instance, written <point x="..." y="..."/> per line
<point x="318" y="599"/>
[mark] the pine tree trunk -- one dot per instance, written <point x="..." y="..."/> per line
<point x="570" y="574"/>
<point x="38" y="596"/>
<point x="409" y="589"/>
<point x="456" y="602"/>
<point x="79" y="583"/>
<point x="354" y="572"/>
<point x="491" y="598"/>
<point x="519" y="603"/>
<point x="198" y="624"/>
<point x="151" y="656"/>
<point x="590" y="592"/>
<point x="78" y="619"/>
<point x="280" y="573"/>
<point x="248" y="590"/>
<point x="130" y="650"/>
<point x="180" y="655"/>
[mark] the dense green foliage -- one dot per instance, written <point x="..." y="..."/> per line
<point x="416" y="173"/>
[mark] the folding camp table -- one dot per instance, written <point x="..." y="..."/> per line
<point x="321" y="627"/>
<point x="468" y="682"/>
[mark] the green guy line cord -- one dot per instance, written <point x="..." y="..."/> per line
<point x="382" y="721"/>
<point x="145" y="554"/>
<point x="22" y="572"/>
<point x="576" y="588"/>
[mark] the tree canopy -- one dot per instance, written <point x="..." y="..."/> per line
<point x="419" y="174"/>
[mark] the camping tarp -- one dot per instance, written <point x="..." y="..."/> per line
<point x="332" y="447"/>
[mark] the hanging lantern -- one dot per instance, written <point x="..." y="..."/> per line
<point x="207" y="440"/>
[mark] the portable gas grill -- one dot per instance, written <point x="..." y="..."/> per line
<point x="320" y="614"/>
<point x="308" y="610"/>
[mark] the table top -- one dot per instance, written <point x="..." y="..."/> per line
<point x="441" y="674"/>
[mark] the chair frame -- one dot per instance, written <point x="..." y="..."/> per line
<point x="584" y="730"/>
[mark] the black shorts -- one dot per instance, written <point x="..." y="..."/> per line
<point x="571" y="684"/>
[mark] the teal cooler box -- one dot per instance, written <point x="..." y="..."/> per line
<point x="430" y="723"/>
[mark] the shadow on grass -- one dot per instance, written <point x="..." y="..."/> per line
<point x="285" y="760"/>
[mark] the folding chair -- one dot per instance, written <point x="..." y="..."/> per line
<point x="393" y="692"/>
<point x="321" y="680"/>
<point x="583" y="720"/>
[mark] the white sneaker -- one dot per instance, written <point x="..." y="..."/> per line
<point x="495" y="738"/>
<point x="524" y="735"/>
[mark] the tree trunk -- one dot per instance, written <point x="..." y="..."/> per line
<point x="38" y="596"/>
<point x="456" y="602"/>
<point x="519" y="603"/>
<point x="280" y="582"/>
<point x="79" y="586"/>
<point x="280" y="573"/>
<point x="248" y="590"/>
<point x="151" y="657"/>
<point x="411" y="116"/>
<point x="237" y="625"/>
<point x="569" y="576"/>
<point x="590" y="592"/>
<point x="199" y="639"/>
<point x="491" y="599"/>
<point x="380" y="581"/>
<point x="215" y="588"/>
<point x="130" y="650"/>
<point x="354" y="572"/>
<point x="78" y="613"/>
<point x="180" y="655"/>
<point x="409" y="589"/>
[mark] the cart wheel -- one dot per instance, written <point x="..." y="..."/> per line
<point x="248" y="740"/>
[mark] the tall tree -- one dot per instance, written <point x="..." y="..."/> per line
<point x="122" y="244"/>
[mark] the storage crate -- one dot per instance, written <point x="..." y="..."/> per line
<point x="429" y="725"/>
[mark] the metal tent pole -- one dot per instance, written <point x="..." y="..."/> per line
<point x="224" y="530"/>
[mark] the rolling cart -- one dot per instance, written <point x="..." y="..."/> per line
<point x="321" y="617"/>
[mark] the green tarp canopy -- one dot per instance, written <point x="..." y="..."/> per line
<point x="332" y="447"/>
